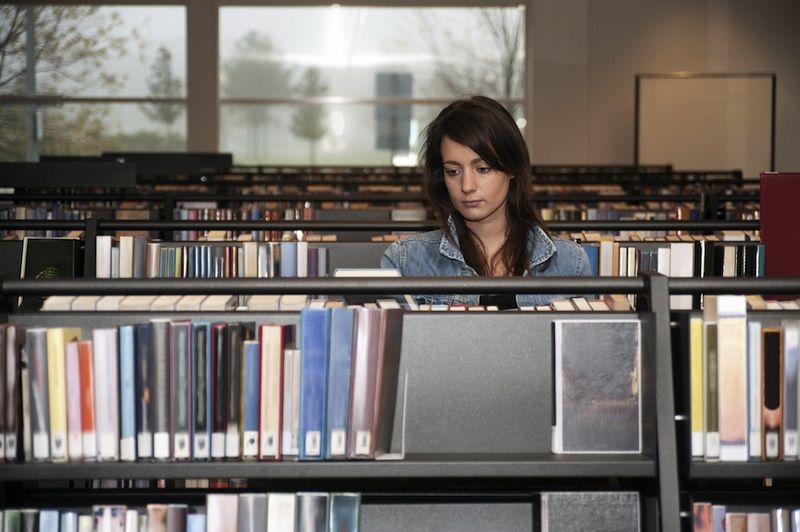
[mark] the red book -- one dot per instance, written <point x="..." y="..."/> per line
<point x="780" y="229"/>
<point x="86" y="366"/>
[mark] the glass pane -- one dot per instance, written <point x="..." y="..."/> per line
<point x="266" y="51"/>
<point x="335" y="134"/>
<point x="89" y="129"/>
<point x="96" y="50"/>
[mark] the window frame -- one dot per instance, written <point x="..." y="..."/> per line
<point x="202" y="74"/>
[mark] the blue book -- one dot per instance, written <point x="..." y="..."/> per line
<point x="201" y="389"/>
<point x="144" y="395"/>
<point x="127" y="393"/>
<point x="343" y="513"/>
<point x="340" y="360"/>
<point x="196" y="523"/>
<point x="69" y="522"/>
<point x="288" y="259"/>
<point x="251" y="369"/>
<point x="314" y="348"/>
<point x="48" y="520"/>
<point x="592" y="251"/>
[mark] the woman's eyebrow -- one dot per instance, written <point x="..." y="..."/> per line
<point x="473" y="161"/>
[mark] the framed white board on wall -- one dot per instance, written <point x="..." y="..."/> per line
<point x="706" y="121"/>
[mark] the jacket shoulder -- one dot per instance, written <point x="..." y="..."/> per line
<point x="571" y="257"/>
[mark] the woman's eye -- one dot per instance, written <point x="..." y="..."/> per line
<point x="450" y="172"/>
<point x="484" y="169"/>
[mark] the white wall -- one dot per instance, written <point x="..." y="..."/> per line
<point x="587" y="52"/>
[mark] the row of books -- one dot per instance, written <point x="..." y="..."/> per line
<point x="70" y="210"/>
<point x="305" y="512"/>
<point x="675" y="256"/>
<point x="249" y="211"/>
<point x="743" y="383"/>
<point x="243" y="512"/>
<point x="139" y="257"/>
<point x="182" y="390"/>
<point x="708" y="517"/>
<point x="607" y="302"/>
<point x="184" y="303"/>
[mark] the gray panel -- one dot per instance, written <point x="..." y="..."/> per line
<point x="354" y="254"/>
<point x="497" y="517"/>
<point x="478" y="382"/>
<point x="353" y="215"/>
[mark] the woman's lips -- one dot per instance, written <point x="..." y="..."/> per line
<point x="471" y="204"/>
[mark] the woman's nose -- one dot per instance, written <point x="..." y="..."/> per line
<point x="469" y="182"/>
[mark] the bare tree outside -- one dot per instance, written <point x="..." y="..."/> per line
<point x="461" y="64"/>
<point x="71" y="45"/>
<point x="308" y="118"/>
<point x="254" y="71"/>
<point x="164" y="83"/>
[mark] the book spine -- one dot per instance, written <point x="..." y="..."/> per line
<point x="754" y="387"/>
<point x="144" y="389"/>
<point x="36" y="348"/>
<point x="127" y="393"/>
<point x="772" y="393"/>
<point x="73" y="375"/>
<point x="88" y="426"/>
<point x="281" y="511"/>
<point x="12" y="391"/>
<point x="338" y="401"/>
<point x="386" y="377"/>
<point x="252" y="512"/>
<point x="180" y="388"/>
<point x="712" y="397"/>
<point x="69" y="522"/>
<point x="362" y="385"/>
<point x="196" y="523"/>
<point x="156" y="517"/>
<point x="314" y="349"/>
<point x="791" y="345"/>
<point x="131" y="521"/>
<point x="233" y="357"/>
<point x="222" y="511"/>
<point x="219" y="389"/>
<point x="3" y="383"/>
<point x="344" y="515"/>
<point x="732" y="373"/>
<point x="159" y="333"/>
<point x="696" y="383"/>
<point x="201" y="365"/>
<point x="106" y="363"/>
<point x="251" y="394"/>
<point x="291" y="402"/>
<point x="176" y="517"/>
<point x="312" y="511"/>
<point x="272" y="346"/>
<point x="57" y="393"/>
<point x="288" y="259"/>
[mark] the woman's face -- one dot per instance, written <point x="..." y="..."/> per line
<point x="477" y="191"/>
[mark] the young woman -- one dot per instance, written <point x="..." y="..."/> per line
<point x="477" y="179"/>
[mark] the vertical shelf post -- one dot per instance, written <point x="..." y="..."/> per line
<point x="668" y="488"/>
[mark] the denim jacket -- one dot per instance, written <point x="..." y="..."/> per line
<point x="432" y="254"/>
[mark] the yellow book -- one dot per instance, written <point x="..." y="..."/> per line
<point x="57" y="339"/>
<point x="696" y="383"/>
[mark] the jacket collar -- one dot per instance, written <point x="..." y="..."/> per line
<point x="542" y="245"/>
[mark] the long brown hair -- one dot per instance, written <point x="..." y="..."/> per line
<point x="487" y="128"/>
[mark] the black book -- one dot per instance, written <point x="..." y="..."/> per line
<point x="219" y="389"/>
<point x="49" y="258"/>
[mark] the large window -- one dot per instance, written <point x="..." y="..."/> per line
<point x="354" y="85"/>
<point x="82" y="79"/>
